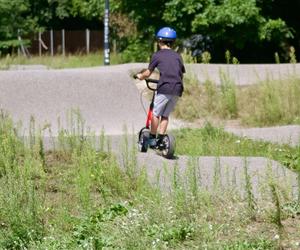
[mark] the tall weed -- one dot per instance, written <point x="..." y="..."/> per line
<point x="20" y="203"/>
<point x="228" y="97"/>
<point x="270" y="103"/>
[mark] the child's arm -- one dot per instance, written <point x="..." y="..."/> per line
<point x="143" y="74"/>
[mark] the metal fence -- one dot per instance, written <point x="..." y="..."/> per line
<point x="62" y="42"/>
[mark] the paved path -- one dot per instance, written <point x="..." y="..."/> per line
<point x="224" y="174"/>
<point x="108" y="98"/>
<point x="280" y="134"/>
<point x="211" y="173"/>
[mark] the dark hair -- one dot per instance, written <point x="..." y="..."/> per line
<point x="168" y="42"/>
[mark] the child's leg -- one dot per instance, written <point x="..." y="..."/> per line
<point x="163" y="106"/>
<point x="163" y="125"/>
<point x="153" y="131"/>
<point x="154" y="124"/>
<point x="169" y="107"/>
<point x="162" y="131"/>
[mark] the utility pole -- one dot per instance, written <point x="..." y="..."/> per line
<point x="106" y="34"/>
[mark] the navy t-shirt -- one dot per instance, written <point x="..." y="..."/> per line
<point x="171" y="69"/>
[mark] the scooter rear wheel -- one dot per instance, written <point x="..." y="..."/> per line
<point x="169" y="146"/>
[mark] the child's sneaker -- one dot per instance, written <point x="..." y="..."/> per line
<point x="160" y="145"/>
<point x="152" y="143"/>
<point x="160" y="142"/>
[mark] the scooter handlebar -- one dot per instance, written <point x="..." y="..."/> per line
<point x="148" y="80"/>
<point x="151" y="80"/>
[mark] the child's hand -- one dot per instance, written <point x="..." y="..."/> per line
<point x="145" y="73"/>
<point x="138" y="76"/>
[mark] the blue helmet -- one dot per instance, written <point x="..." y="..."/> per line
<point x="166" y="34"/>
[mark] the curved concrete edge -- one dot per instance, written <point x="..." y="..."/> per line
<point x="108" y="68"/>
<point x="27" y="67"/>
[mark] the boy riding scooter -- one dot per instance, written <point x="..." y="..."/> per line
<point x="170" y="86"/>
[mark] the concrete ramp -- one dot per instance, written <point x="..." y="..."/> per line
<point x="106" y="97"/>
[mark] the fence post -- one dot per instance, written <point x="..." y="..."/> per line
<point x="87" y="41"/>
<point x="63" y="42"/>
<point x="114" y="46"/>
<point x="51" y="42"/>
<point x="40" y="44"/>
<point x="21" y="44"/>
<point x="106" y="34"/>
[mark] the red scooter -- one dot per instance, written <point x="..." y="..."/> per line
<point x="167" y="149"/>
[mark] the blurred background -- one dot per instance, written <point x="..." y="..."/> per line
<point x="252" y="31"/>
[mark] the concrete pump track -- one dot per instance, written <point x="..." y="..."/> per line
<point x="109" y="100"/>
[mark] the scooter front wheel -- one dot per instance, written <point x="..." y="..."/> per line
<point x="144" y="135"/>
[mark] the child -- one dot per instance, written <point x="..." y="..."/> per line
<point x="170" y="85"/>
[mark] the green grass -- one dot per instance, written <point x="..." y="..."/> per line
<point x="77" y="197"/>
<point x="59" y="61"/>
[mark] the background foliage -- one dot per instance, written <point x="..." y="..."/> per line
<point x="252" y="30"/>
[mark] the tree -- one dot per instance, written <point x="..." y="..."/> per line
<point x="181" y="13"/>
<point x="145" y="18"/>
<point x="23" y="17"/>
<point x="15" y="19"/>
<point x="249" y="29"/>
<point x="232" y="24"/>
<point x="238" y="21"/>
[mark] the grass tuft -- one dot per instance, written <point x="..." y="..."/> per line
<point x="60" y="62"/>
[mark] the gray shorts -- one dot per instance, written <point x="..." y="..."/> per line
<point x="164" y="104"/>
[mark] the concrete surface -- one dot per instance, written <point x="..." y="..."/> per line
<point x="106" y="97"/>
<point x="280" y="134"/>
<point x="226" y="174"/>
